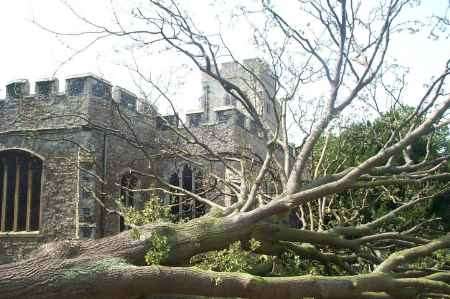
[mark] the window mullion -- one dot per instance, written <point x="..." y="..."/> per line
<point x="16" y="196"/>
<point x="29" y="194"/>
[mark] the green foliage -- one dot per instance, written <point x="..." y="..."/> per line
<point x="358" y="142"/>
<point x="439" y="259"/>
<point x="290" y="264"/>
<point x="233" y="259"/>
<point x="152" y="212"/>
<point x="159" y="250"/>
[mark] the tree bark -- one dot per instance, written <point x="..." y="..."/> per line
<point x="113" y="268"/>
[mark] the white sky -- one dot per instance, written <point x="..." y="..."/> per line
<point x="27" y="51"/>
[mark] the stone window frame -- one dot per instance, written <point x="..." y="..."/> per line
<point x="125" y="195"/>
<point x="177" y="206"/>
<point x="29" y="157"/>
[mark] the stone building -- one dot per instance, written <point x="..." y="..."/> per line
<point x="65" y="157"/>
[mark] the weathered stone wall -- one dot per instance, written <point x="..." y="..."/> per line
<point x="82" y="140"/>
<point x="89" y="140"/>
<point x="122" y="140"/>
<point x="258" y="91"/>
<point x="58" y="200"/>
<point x="43" y="113"/>
<point x="221" y="138"/>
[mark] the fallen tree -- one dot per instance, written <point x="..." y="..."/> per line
<point x="360" y="259"/>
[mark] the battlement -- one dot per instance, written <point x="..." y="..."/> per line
<point x="83" y="85"/>
<point x="227" y="116"/>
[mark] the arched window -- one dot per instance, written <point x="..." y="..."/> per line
<point x="187" y="178"/>
<point x="199" y="207"/>
<point x="186" y="204"/>
<point x="20" y="191"/>
<point x="128" y="183"/>
<point x="186" y="207"/>
<point x="174" y="201"/>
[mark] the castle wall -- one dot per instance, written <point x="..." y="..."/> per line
<point x="117" y="153"/>
<point x="223" y="139"/>
<point x="259" y="91"/>
<point x="88" y="141"/>
<point x="82" y="139"/>
<point x="43" y="113"/>
<point x="59" y="190"/>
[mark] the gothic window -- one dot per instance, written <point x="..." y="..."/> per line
<point x="186" y="207"/>
<point x="128" y="183"/>
<point x="199" y="207"/>
<point x="174" y="201"/>
<point x="20" y="191"/>
<point x="187" y="178"/>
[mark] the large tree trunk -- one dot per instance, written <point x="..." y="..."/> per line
<point x="88" y="269"/>
<point x="113" y="268"/>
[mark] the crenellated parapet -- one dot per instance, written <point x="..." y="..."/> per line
<point x="86" y="85"/>
<point x="18" y="88"/>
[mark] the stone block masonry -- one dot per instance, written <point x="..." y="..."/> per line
<point x="61" y="154"/>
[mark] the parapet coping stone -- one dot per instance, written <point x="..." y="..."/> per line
<point x="92" y="75"/>
<point x="226" y="107"/>
<point x="17" y="81"/>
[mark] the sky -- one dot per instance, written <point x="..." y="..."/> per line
<point x="28" y="51"/>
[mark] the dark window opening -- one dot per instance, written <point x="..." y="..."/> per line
<point x="187" y="178"/>
<point x="128" y="184"/>
<point x="20" y="191"/>
<point x="174" y="200"/>
<point x="199" y="207"/>
<point x="186" y="207"/>
<point x="122" y="225"/>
